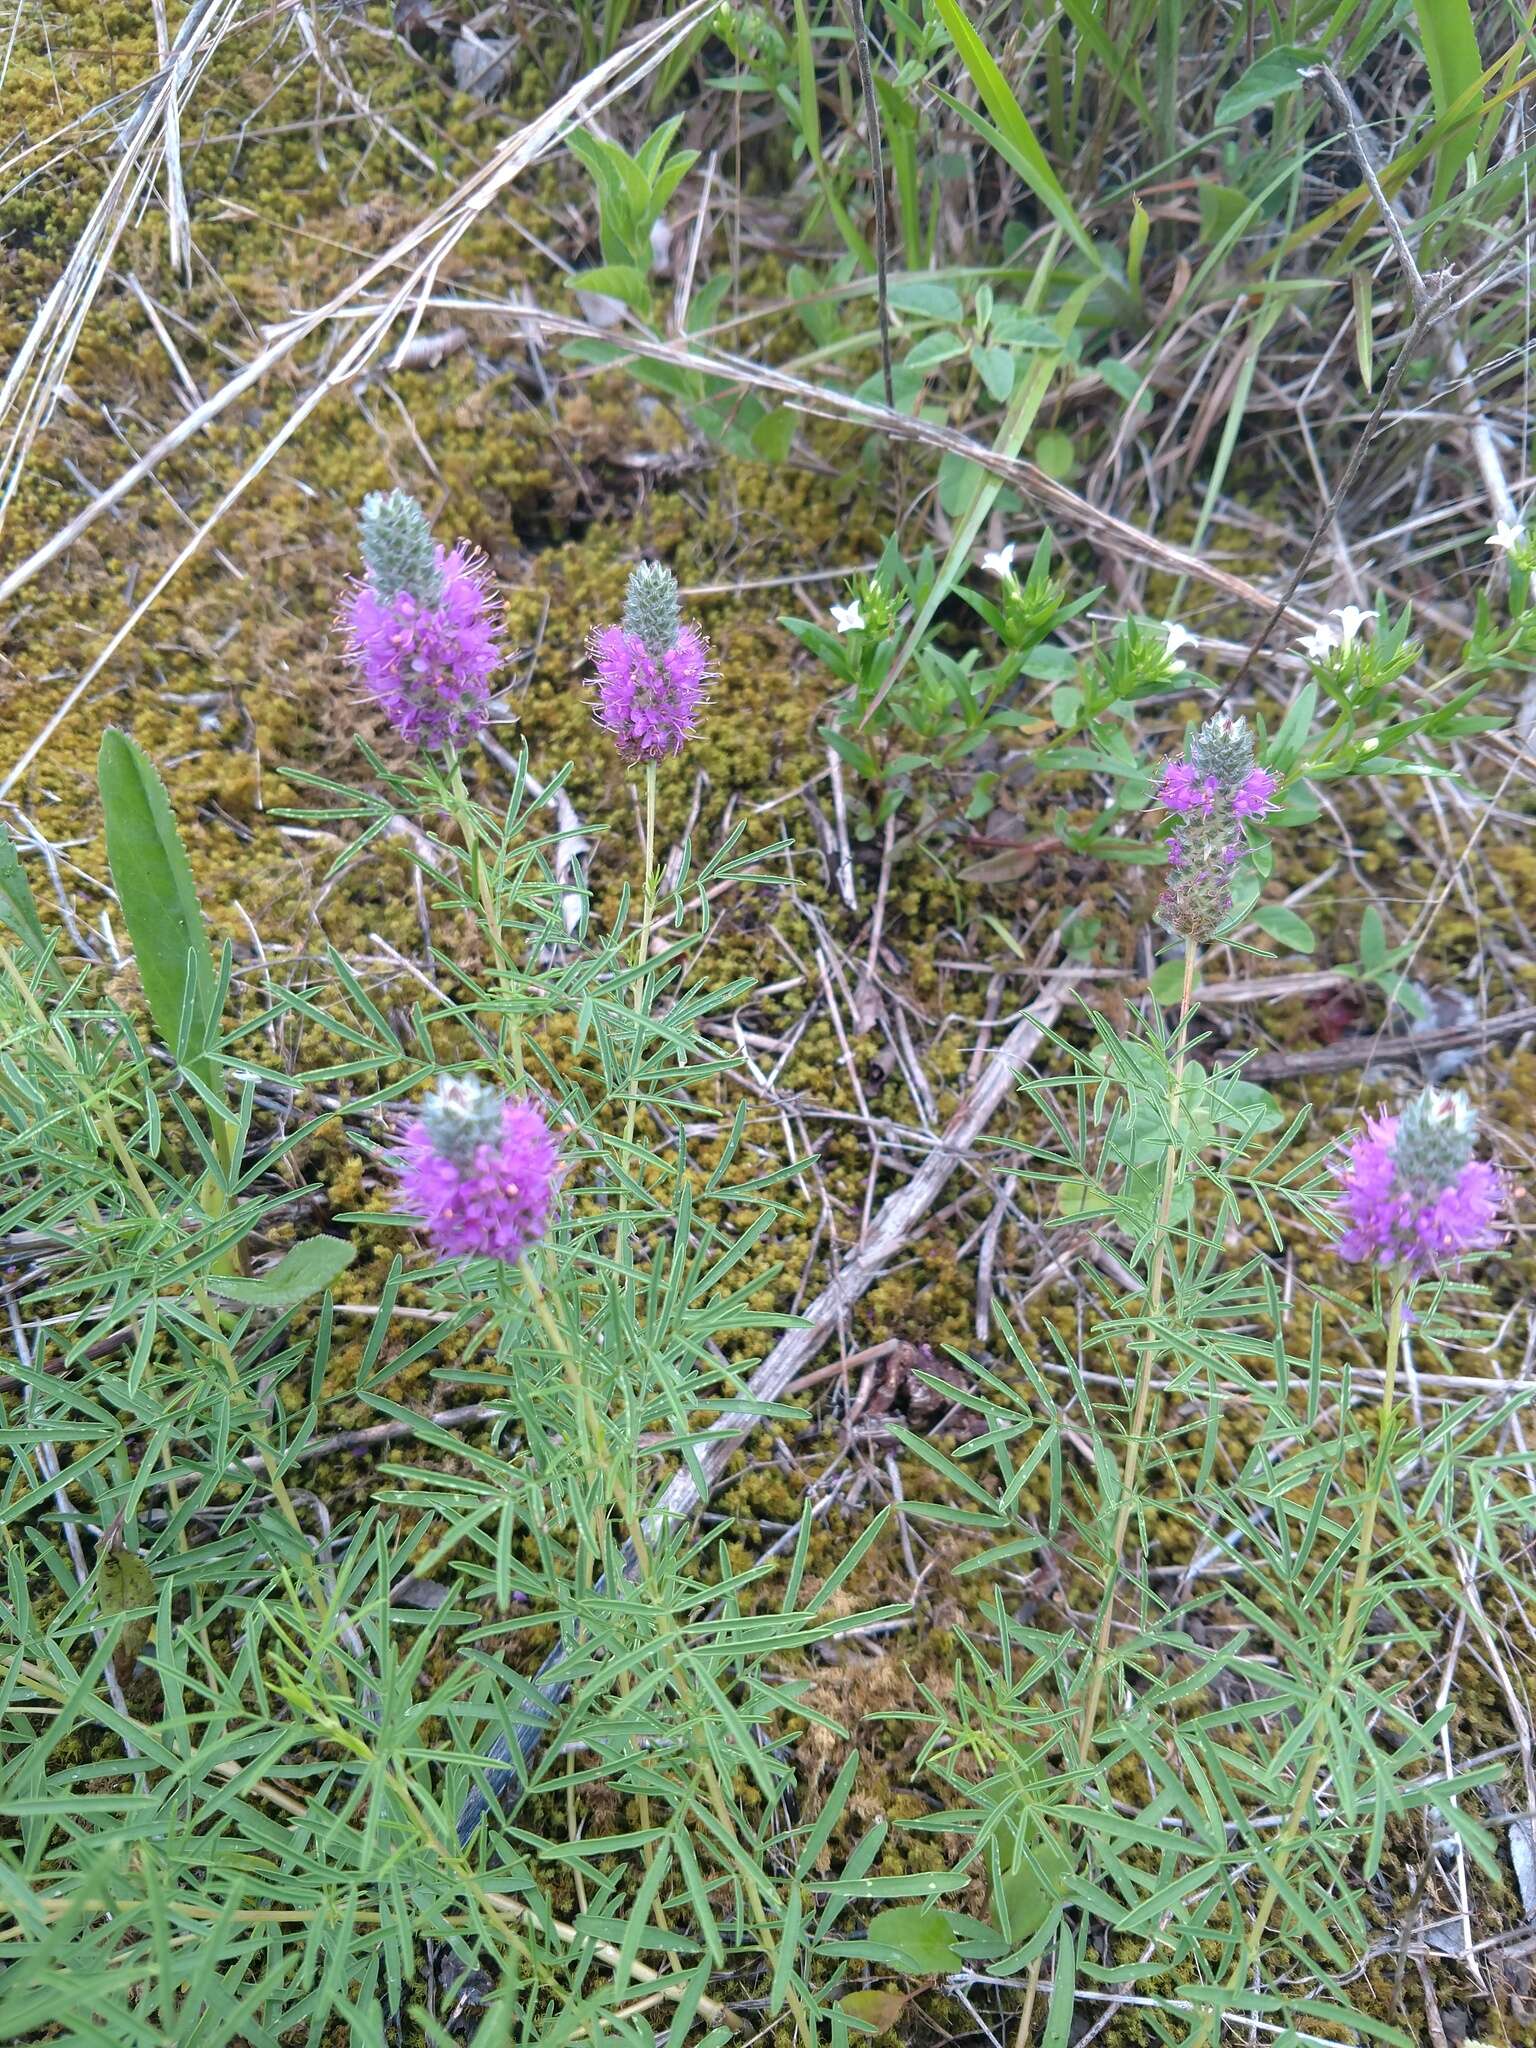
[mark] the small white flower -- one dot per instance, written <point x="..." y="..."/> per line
<point x="1351" y="619"/>
<point x="1508" y="536"/>
<point x="848" y="618"/>
<point x="1000" y="561"/>
<point x="1178" y="638"/>
<point x="1319" y="645"/>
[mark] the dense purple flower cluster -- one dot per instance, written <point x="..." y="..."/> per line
<point x="1214" y="792"/>
<point x="1188" y="793"/>
<point x="479" y="1169"/>
<point x="1410" y="1192"/>
<point x="430" y="664"/>
<point x="649" y="702"/>
<point x="651" y="671"/>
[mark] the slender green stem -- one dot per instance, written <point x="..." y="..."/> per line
<point x="1339" y="1663"/>
<point x="456" y="800"/>
<point x="618" y="1488"/>
<point x="593" y="1423"/>
<point x="647" y="918"/>
<point x="1141" y="1400"/>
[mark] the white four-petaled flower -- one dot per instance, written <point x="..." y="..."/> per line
<point x="848" y="618"/>
<point x="1179" y="637"/>
<point x="1508" y="536"/>
<point x="1000" y="561"/>
<point x="1319" y="645"/>
<point x="1351" y="619"/>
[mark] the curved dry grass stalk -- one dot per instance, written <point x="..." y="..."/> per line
<point x="33" y="382"/>
<point x="1105" y="529"/>
<point x="422" y="250"/>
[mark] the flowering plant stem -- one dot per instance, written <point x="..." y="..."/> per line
<point x="1142" y="1397"/>
<point x="1338" y="1664"/>
<point x="455" y="798"/>
<point x="643" y="953"/>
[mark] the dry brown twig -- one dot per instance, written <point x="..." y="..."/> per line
<point x="1117" y="536"/>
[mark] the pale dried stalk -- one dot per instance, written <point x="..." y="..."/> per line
<point x="36" y="374"/>
<point x="425" y="246"/>
<point x="891" y="1233"/>
<point x="1116" y="535"/>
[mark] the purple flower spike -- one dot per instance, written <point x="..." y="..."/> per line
<point x="1185" y="791"/>
<point x="651" y="670"/>
<point x="479" y="1168"/>
<point x="649" y="702"/>
<point x="1412" y="1194"/>
<point x="430" y="664"/>
<point x="1254" y="796"/>
<point x="1213" y="789"/>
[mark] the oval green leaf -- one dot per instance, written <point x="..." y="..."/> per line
<point x="304" y="1270"/>
<point x="919" y="1938"/>
<point x="1267" y="79"/>
<point x="1285" y="927"/>
<point x="159" y="903"/>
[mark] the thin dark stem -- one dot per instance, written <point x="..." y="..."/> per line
<point x="877" y="169"/>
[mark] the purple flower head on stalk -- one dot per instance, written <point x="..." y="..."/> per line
<point x="651" y="670"/>
<point x="422" y="627"/>
<point x="1411" y="1192"/>
<point x="480" y="1169"/>
<point x="1212" y="791"/>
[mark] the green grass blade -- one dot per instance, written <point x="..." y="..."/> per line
<point x="1016" y="140"/>
<point x="1449" y="37"/>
